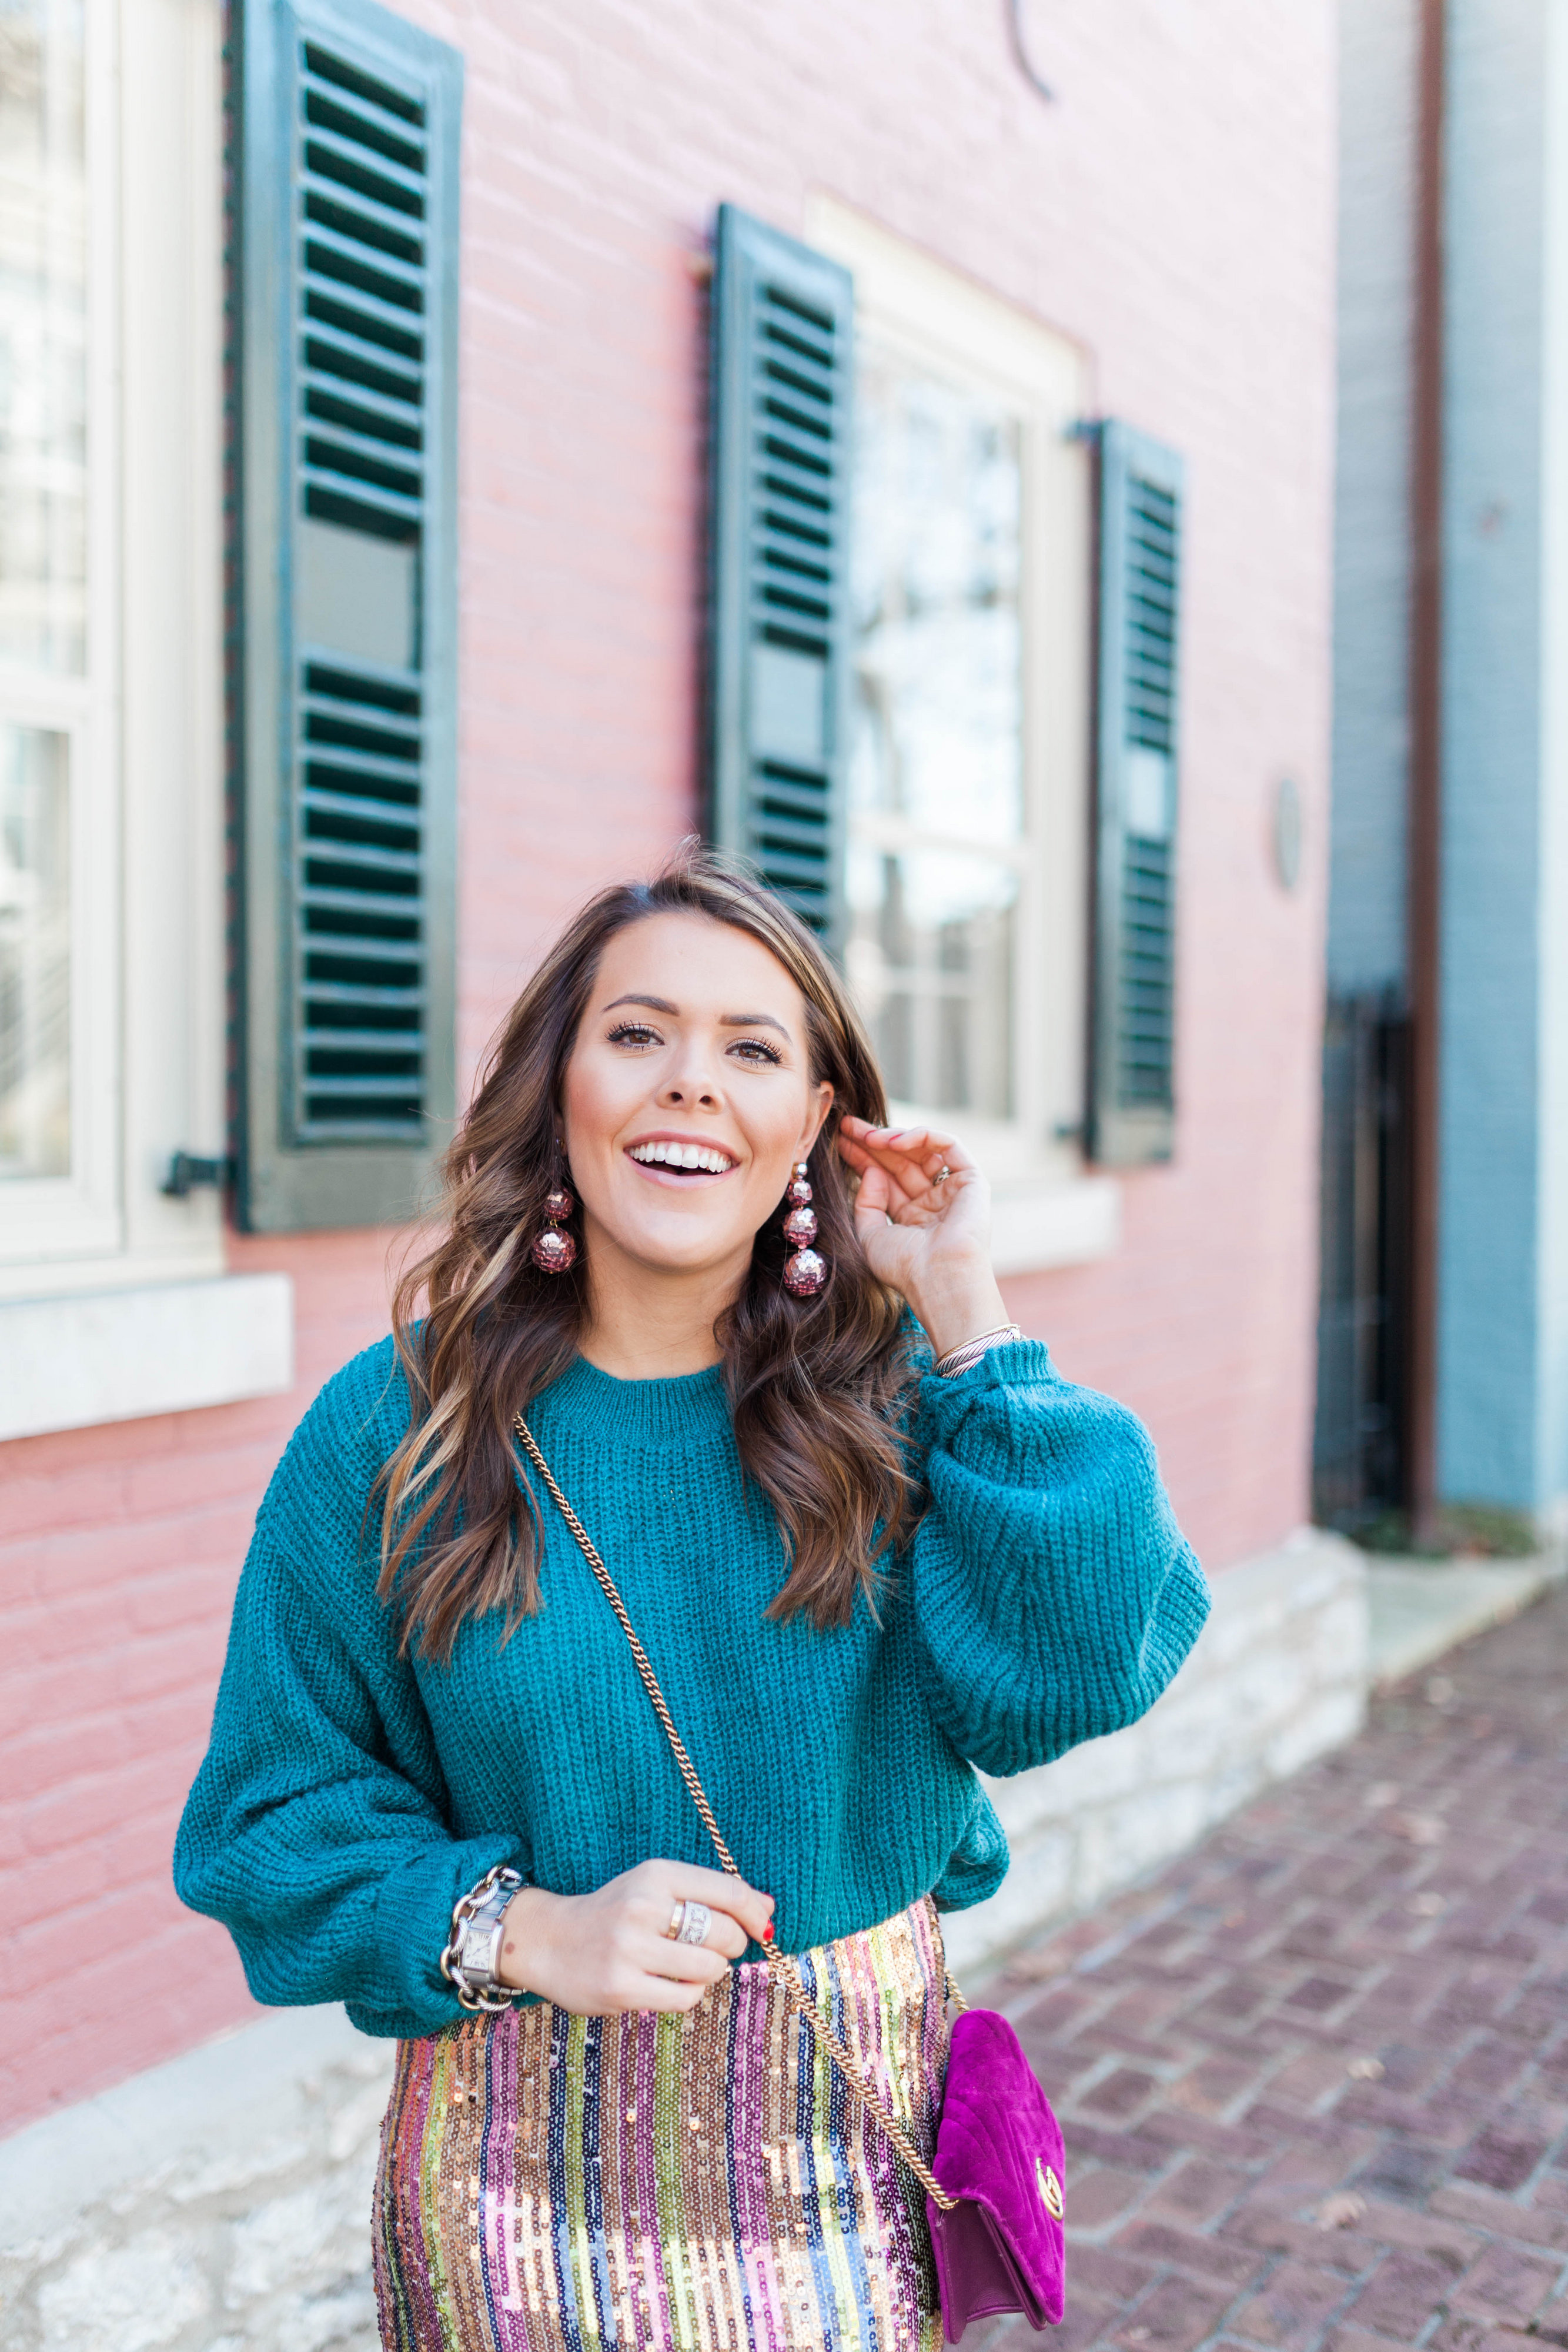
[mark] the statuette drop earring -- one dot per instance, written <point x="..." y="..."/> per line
<point x="555" y="1252"/>
<point x="805" y="1273"/>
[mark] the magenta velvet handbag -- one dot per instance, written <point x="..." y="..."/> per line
<point x="994" y="2200"/>
<point x="998" y="2232"/>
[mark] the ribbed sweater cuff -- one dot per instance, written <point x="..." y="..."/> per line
<point x="412" y="1922"/>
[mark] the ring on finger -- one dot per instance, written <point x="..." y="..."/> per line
<point x="694" y="1920"/>
<point x="942" y="1174"/>
<point x="676" y="1915"/>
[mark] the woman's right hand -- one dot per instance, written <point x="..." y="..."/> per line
<point x="601" y="1954"/>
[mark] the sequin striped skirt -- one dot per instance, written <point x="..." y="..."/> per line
<point x="663" y="2183"/>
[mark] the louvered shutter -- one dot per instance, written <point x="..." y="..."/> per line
<point x="347" y="263"/>
<point x="783" y="357"/>
<point x="1131" y="1094"/>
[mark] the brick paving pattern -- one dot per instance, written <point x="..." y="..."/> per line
<point x="1314" y="2076"/>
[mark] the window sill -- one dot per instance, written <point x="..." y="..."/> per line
<point x="41" y="1271"/>
<point x="120" y="1355"/>
<point x="1062" y="1223"/>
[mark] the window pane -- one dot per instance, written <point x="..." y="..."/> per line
<point x="938" y="724"/>
<point x="35" y="954"/>
<point x="43" y="337"/>
<point x="931" y="961"/>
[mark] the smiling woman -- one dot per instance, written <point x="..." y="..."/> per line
<point x="691" y="1013"/>
<point x="872" y="1541"/>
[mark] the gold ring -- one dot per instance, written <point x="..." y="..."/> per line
<point x="676" y="1916"/>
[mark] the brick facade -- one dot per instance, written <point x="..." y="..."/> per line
<point x="1174" y="212"/>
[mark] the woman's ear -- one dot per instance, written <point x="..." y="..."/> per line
<point x="821" y="1103"/>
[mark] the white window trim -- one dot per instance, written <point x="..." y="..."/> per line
<point x="1049" y="1211"/>
<point x="147" y="919"/>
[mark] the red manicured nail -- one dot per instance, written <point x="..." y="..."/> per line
<point x="767" y="1932"/>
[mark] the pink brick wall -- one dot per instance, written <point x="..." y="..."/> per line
<point x="1173" y="211"/>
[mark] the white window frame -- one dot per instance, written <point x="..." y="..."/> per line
<point x="146" y="723"/>
<point x="114" y="1298"/>
<point x="1049" y="1211"/>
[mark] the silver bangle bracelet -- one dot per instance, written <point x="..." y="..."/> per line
<point x="958" y="1360"/>
<point x="471" y="1960"/>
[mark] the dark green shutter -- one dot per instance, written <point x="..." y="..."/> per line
<point x="1131" y="1092"/>
<point x="347" y="268"/>
<point x="783" y="358"/>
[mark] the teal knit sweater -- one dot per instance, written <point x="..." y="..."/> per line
<point x="350" y="1794"/>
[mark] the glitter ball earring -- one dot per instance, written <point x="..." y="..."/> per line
<point x="554" y="1252"/>
<point x="805" y="1273"/>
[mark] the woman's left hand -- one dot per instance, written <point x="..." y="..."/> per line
<point x="924" y="1218"/>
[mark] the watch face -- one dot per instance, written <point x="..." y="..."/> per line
<point x="479" y="1947"/>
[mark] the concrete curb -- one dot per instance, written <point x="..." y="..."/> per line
<point x="1422" y="1608"/>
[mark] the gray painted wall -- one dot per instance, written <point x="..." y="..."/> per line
<point x="1502" y="1412"/>
<point x="1503" y="1317"/>
<point x="1366" y="942"/>
<point x="1553" y="1268"/>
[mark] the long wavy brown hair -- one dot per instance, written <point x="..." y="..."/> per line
<point x="817" y="1387"/>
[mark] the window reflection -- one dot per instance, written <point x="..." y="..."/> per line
<point x="43" y="557"/>
<point x="35" y="958"/>
<point x="936" y="755"/>
<point x="931" y="962"/>
<point x="43" y="337"/>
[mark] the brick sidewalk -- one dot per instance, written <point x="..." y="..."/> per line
<point x="1314" y="2077"/>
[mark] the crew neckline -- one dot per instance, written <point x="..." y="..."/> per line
<point x="686" y="1409"/>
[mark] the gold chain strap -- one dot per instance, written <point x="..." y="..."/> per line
<point x="783" y="1967"/>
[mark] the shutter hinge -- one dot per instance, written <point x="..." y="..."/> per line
<point x="186" y="1171"/>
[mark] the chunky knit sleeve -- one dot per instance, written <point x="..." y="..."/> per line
<point x="316" y="1827"/>
<point x="1054" y="1594"/>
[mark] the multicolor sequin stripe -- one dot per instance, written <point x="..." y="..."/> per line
<point x="697" y="2183"/>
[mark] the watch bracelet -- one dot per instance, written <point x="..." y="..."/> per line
<point x="478" y="1993"/>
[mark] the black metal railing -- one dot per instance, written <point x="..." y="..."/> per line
<point x="1360" y="1453"/>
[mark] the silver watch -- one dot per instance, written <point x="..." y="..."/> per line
<point x="471" y="1962"/>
